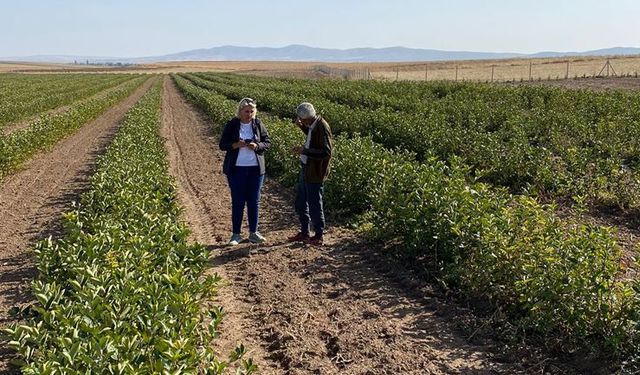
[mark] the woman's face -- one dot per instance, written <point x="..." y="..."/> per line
<point x="247" y="113"/>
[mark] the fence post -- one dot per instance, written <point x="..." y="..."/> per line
<point x="492" y="67"/>
<point x="426" y="73"/>
<point x="607" y="65"/>
<point x="530" y="63"/>
<point x="397" y="73"/>
<point x="566" y="75"/>
<point x="456" y="72"/>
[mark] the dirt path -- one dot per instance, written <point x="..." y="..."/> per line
<point x="194" y="156"/>
<point x="301" y="310"/>
<point x="32" y="201"/>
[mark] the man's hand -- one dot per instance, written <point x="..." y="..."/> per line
<point x="299" y="124"/>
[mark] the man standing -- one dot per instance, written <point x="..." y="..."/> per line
<point x="315" y="158"/>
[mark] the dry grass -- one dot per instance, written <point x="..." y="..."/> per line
<point x="9" y="66"/>
<point x="29" y="67"/>
<point x="469" y="70"/>
<point x="260" y="67"/>
<point x="509" y="69"/>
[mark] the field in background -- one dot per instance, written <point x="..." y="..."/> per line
<point x="469" y="70"/>
<point x="510" y="70"/>
<point x="453" y="178"/>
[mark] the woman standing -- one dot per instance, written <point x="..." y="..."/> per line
<point x="245" y="139"/>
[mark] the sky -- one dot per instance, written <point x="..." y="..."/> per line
<point x="136" y="28"/>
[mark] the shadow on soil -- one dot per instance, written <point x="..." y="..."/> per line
<point x="431" y="313"/>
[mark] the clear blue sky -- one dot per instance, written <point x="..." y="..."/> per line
<point x="132" y="28"/>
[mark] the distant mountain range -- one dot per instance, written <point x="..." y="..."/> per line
<point x="305" y="53"/>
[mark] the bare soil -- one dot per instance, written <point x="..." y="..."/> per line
<point x="336" y="309"/>
<point x="33" y="200"/>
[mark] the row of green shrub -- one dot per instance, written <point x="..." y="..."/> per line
<point x="556" y="278"/>
<point x="24" y="95"/>
<point x="47" y="130"/>
<point x="122" y="291"/>
<point x="533" y="140"/>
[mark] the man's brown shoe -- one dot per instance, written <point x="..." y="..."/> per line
<point x="315" y="241"/>
<point x="300" y="237"/>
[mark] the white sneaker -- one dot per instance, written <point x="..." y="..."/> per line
<point x="256" y="237"/>
<point x="235" y="239"/>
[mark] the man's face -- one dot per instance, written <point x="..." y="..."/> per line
<point x="306" y="121"/>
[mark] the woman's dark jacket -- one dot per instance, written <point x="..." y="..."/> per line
<point x="231" y="134"/>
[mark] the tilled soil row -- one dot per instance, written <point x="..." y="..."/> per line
<point x="309" y="310"/>
<point x="33" y="200"/>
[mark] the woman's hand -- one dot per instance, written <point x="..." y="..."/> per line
<point x="240" y="143"/>
<point x="253" y="146"/>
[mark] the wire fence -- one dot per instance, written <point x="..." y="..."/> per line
<point x="490" y="71"/>
<point x="344" y="73"/>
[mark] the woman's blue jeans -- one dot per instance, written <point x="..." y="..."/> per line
<point x="245" y="184"/>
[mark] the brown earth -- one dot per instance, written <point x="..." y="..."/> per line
<point x="338" y="309"/>
<point x="32" y="201"/>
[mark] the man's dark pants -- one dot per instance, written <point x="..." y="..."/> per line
<point x="308" y="205"/>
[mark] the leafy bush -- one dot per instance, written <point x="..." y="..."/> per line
<point x="121" y="292"/>
<point x="556" y="278"/>
<point x="548" y="141"/>
<point x="49" y="129"/>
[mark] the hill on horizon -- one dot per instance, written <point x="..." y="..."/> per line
<point x="301" y="53"/>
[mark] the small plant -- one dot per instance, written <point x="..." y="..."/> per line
<point x="121" y="292"/>
<point x="551" y="276"/>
